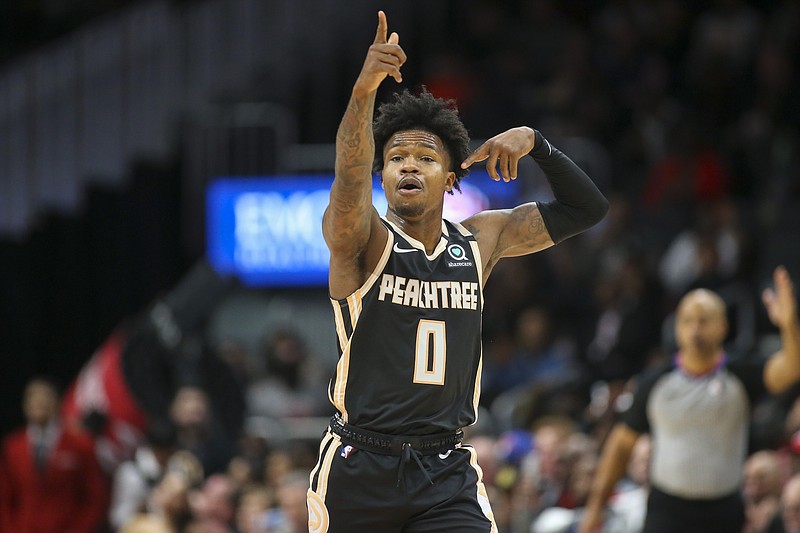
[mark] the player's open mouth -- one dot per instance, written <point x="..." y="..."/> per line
<point x="409" y="184"/>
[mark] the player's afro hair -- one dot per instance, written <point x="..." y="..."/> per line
<point x="423" y="112"/>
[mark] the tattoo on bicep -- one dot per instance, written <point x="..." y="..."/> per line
<point x="531" y="225"/>
<point x="472" y="229"/>
<point x="539" y="232"/>
<point x="536" y="228"/>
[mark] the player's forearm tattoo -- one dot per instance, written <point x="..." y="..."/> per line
<point x="355" y="146"/>
<point x="348" y="198"/>
<point x="352" y="192"/>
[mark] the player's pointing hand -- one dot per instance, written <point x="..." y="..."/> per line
<point x="504" y="150"/>
<point x="385" y="57"/>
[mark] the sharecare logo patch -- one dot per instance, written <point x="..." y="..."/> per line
<point x="456" y="252"/>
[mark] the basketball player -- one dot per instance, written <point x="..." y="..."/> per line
<point x="406" y="289"/>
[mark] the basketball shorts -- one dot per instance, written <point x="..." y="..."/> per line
<point x="356" y="489"/>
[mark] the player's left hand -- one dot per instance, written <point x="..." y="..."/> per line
<point x="780" y="302"/>
<point x="505" y="150"/>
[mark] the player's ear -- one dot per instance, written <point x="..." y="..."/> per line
<point x="451" y="181"/>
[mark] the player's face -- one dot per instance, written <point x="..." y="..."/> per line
<point x="415" y="173"/>
<point x="700" y="324"/>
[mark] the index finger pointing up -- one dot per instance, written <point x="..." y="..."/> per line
<point x="380" y="35"/>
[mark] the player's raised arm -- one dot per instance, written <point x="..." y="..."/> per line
<point x="534" y="226"/>
<point x="783" y="367"/>
<point x="350" y="215"/>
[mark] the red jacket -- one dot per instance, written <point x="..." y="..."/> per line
<point x="69" y="495"/>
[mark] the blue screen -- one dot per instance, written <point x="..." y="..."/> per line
<point x="267" y="231"/>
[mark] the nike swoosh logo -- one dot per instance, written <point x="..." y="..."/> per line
<point x="403" y="250"/>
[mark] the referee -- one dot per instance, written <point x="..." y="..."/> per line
<point x="697" y="409"/>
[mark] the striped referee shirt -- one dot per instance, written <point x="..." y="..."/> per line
<point x="699" y="426"/>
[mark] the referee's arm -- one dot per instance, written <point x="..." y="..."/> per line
<point x="613" y="463"/>
<point x="782" y="369"/>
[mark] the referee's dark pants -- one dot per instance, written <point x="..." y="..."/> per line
<point x="671" y="514"/>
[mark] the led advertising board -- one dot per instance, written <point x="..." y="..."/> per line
<point x="267" y="231"/>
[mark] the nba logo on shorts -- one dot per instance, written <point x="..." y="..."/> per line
<point x="346" y="451"/>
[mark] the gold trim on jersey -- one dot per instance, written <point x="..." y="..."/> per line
<point x="325" y="439"/>
<point x="318" y="519"/>
<point x="476" y="252"/>
<point x="325" y="467"/>
<point x="341" y="332"/>
<point x="375" y="274"/>
<point x="342" y="370"/>
<point x="483" y="496"/>
<point x="476" y="393"/>
<point x="354" y="304"/>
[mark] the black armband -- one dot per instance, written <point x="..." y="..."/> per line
<point x="579" y="204"/>
<point x="541" y="146"/>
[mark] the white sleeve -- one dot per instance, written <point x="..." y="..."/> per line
<point x="128" y="494"/>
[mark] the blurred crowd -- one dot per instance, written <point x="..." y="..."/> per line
<point x="687" y="114"/>
<point x="538" y="450"/>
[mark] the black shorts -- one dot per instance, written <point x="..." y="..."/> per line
<point x="667" y="514"/>
<point x="355" y="490"/>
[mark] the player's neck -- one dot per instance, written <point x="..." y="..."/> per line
<point x="426" y="229"/>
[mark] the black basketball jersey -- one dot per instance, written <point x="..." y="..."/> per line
<point x="409" y="339"/>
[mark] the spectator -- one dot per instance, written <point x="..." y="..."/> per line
<point x="53" y="480"/>
<point x="544" y="471"/>
<point x="199" y="431"/>
<point x="290" y="386"/>
<point x="706" y="255"/>
<point x="539" y="358"/>
<point x="167" y="506"/>
<point x="213" y="506"/>
<point x="628" y="320"/>
<point x="291" y="515"/>
<point x="134" y="479"/>
<point x="761" y="490"/>
<point x="629" y="504"/>
<point x="253" y="510"/>
<point x="146" y="524"/>
<point x="278" y="465"/>
<point x="789" y="519"/>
